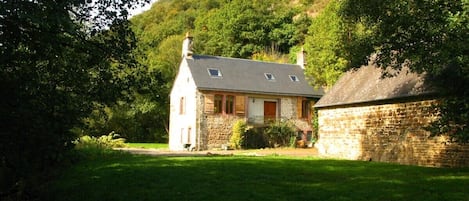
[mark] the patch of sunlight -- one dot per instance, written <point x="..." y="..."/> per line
<point x="450" y="177"/>
<point x="393" y="181"/>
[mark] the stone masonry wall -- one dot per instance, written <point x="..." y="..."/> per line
<point x="218" y="130"/>
<point x="388" y="133"/>
<point x="288" y="107"/>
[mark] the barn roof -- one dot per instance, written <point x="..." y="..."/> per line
<point x="367" y="84"/>
<point x="241" y="75"/>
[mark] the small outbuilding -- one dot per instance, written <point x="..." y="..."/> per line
<point x="369" y="116"/>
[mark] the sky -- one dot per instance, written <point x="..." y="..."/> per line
<point x="141" y="9"/>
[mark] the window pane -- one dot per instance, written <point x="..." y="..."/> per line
<point x="269" y="76"/>
<point x="181" y="105"/>
<point x="305" y="109"/>
<point x="218" y="104"/>
<point x="229" y="104"/>
<point x="294" y="78"/>
<point x="214" y="72"/>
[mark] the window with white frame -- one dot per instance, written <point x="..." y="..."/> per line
<point x="214" y="72"/>
<point x="294" y="78"/>
<point x="269" y="76"/>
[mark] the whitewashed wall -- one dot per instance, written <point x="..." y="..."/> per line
<point x="182" y="127"/>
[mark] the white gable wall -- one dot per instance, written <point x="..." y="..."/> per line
<point x="182" y="124"/>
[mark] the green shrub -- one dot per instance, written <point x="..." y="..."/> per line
<point x="109" y="141"/>
<point x="279" y="133"/>
<point x="239" y="128"/>
<point x="254" y="138"/>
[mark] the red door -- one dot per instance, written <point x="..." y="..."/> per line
<point x="270" y="110"/>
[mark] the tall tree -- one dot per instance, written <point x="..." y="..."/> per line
<point x="333" y="46"/>
<point x="57" y="58"/>
<point x="325" y="47"/>
<point x="429" y="36"/>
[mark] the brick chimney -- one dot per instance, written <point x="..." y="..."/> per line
<point x="187" y="46"/>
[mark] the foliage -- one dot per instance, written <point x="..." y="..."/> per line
<point x="253" y="178"/>
<point x="331" y="46"/>
<point x="254" y="138"/>
<point x="238" y="130"/>
<point x="136" y="121"/>
<point x="429" y="37"/>
<point x="112" y="140"/>
<point x="270" y="57"/>
<point x="57" y="59"/>
<point x="326" y="56"/>
<point x="276" y="134"/>
<point x="279" y="133"/>
<point x="240" y="28"/>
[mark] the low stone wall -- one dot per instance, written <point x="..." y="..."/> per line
<point x="391" y="132"/>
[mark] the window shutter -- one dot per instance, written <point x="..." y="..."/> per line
<point x="208" y="106"/>
<point x="239" y="102"/>
<point x="299" y="107"/>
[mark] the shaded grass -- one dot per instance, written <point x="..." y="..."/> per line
<point x="128" y="177"/>
<point x="148" y="145"/>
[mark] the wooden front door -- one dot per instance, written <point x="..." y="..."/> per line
<point x="270" y="110"/>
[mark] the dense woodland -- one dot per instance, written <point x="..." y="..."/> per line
<point x="72" y="67"/>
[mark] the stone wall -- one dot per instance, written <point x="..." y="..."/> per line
<point x="288" y="107"/>
<point x="388" y="132"/>
<point x="217" y="130"/>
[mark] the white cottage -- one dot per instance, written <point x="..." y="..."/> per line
<point x="210" y="93"/>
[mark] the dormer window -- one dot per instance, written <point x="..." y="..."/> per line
<point x="269" y="76"/>
<point x="294" y="78"/>
<point x="214" y="72"/>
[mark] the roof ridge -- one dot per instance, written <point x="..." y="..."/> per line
<point x="243" y="59"/>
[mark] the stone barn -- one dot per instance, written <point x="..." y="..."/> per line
<point x="368" y="116"/>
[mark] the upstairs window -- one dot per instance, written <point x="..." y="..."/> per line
<point x="224" y="104"/>
<point x="294" y="78"/>
<point x="214" y="72"/>
<point x="269" y="76"/>
<point x="229" y="104"/>
<point x="182" y="105"/>
<point x="218" y="104"/>
<point x="305" y="109"/>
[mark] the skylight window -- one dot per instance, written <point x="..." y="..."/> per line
<point x="214" y="72"/>
<point x="294" y="78"/>
<point x="269" y="76"/>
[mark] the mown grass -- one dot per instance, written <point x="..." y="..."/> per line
<point x="128" y="177"/>
<point x="148" y="145"/>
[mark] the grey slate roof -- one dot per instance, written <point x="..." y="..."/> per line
<point x="247" y="76"/>
<point x="367" y="84"/>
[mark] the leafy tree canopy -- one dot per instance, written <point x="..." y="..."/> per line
<point x="57" y="58"/>
<point x="333" y="46"/>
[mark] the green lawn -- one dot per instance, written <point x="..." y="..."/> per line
<point x="148" y="145"/>
<point x="224" y="178"/>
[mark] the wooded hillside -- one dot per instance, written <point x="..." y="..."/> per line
<point x="264" y="30"/>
